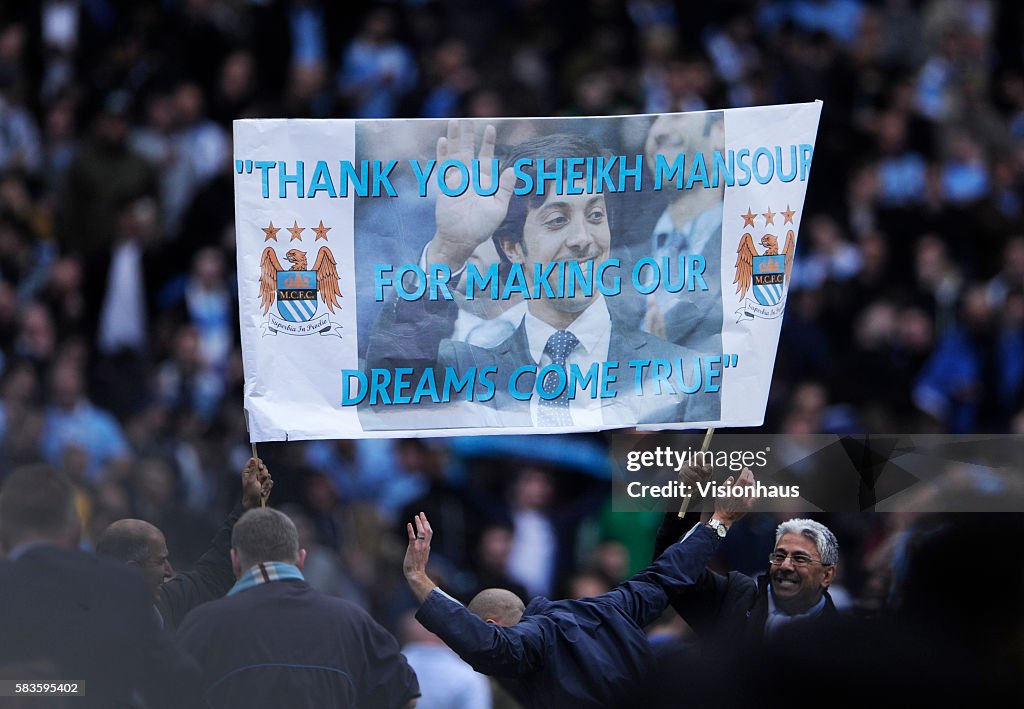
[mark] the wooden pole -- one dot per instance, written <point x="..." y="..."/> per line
<point x="703" y="449"/>
<point x="252" y="443"/>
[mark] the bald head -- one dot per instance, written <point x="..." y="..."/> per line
<point x="498" y="606"/>
<point x="140" y="544"/>
<point x="126" y="540"/>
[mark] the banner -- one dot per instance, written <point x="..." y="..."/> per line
<point x="435" y="277"/>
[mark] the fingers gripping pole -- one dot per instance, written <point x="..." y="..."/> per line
<point x="707" y="444"/>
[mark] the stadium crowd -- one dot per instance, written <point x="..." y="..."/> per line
<point x="119" y="351"/>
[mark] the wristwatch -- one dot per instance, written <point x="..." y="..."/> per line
<point x="718" y="527"/>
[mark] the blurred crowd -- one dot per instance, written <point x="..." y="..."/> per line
<point x="119" y="353"/>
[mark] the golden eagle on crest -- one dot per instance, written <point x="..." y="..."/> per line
<point x="326" y="275"/>
<point x="746" y="253"/>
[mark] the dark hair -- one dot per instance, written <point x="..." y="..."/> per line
<point x="36" y="502"/>
<point x="549" y="147"/>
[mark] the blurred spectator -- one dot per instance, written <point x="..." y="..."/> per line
<point x="838" y="18"/>
<point x="204" y="144"/>
<point x="453" y="508"/>
<point x="831" y="259"/>
<point x="37" y="337"/>
<point x="186" y="383"/>
<point x="535" y="544"/>
<point x="959" y="378"/>
<point x="938" y="278"/>
<point x="901" y="171"/>
<point x="1011" y="275"/>
<point x="452" y="77"/>
<point x="587" y="584"/>
<point x="236" y="88"/>
<point x="211" y="306"/>
<point x="74" y="423"/>
<point x="965" y="175"/>
<point x="446" y="682"/>
<point x="106" y="174"/>
<point x="491" y="561"/>
<point x="356" y="469"/>
<point x="377" y="70"/>
<point x="324" y="568"/>
<point x="20" y="146"/>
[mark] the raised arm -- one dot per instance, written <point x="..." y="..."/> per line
<point x="416" y="557"/>
<point x="673" y="527"/>
<point x="489" y="648"/>
<point x="211" y="577"/>
<point x="682" y="565"/>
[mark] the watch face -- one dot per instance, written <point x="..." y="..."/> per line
<point x="721" y="530"/>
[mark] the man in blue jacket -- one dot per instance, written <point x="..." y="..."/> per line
<point x="275" y="642"/>
<point x="590" y="652"/>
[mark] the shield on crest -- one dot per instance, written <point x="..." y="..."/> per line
<point x="769" y="279"/>
<point x="296" y="295"/>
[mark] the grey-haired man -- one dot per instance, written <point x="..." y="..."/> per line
<point x="736" y="608"/>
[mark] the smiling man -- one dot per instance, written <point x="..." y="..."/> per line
<point x="556" y="235"/>
<point x="737" y="608"/>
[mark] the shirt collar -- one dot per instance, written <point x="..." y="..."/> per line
<point x="774" y="610"/>
<point x="265" y="572"/>
<point x="589" y="328"/>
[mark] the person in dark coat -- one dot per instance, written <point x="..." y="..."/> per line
<point x="590" y="652"/>
<point x="275" y="642"/>
<point x="141" y="544"/>
<point x="78" y="617"/>
<point x="737" y="609"/>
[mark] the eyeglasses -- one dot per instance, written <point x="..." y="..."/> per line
<point x="799" y="560"/>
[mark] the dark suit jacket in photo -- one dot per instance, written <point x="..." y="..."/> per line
<point x="413" y="334"/>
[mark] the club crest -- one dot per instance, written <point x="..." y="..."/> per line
<point x="764" y="275"/>
<point x="299" y="299"/>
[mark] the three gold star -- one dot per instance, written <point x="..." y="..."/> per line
<point x="321" y="231"/>
<point x="271" y="232"/>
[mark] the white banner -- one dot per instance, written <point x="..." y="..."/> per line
<point x="429" y="277"/>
